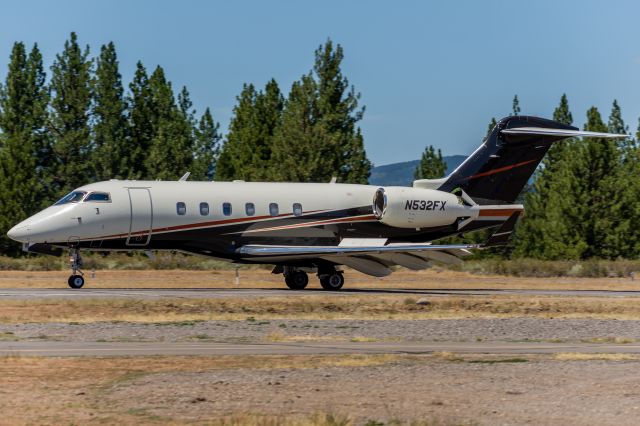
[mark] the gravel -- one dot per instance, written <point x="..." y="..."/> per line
<point x="496" y="329"/>
<point x="532" y="392"/>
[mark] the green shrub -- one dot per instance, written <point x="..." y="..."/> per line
<point x="594" y="268"/>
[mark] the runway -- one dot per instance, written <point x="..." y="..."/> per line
<point x="212" y="293"/>
<point x="73" y="349"/>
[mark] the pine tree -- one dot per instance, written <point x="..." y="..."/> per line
<point x="268" y="107"/>
<point x="207" y="148"/>
<point x="247" y="152"/>
<point x="69" y="121"/>
<point x="431" y="165"/>
<point x="112" y="155"/>
<point x="492" y="124"/>
<point x="617" y="225"/>
<point x="295" y="144"/>
<point x="171" y="152"/>
<point x="319" y="137"/>
<point x="234" y="156"/>
<point x="562" y="115"/>
<point x="548" y="229"/>
<point x="140" y="122"/>
<point x="515" y="106"/>
<point x="616" y="125"/>
<point x="24" y="144"/>
<point x="338" y="114"/>
<point x="600" y="158"/>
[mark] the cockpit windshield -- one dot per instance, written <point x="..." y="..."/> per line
<point x="102" y="197"/>
<point x="73" y="197"/>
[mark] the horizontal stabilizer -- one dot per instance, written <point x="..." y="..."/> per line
<point x="561" y="132"/>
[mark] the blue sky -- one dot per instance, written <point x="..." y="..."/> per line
<point x="430" y="72"/>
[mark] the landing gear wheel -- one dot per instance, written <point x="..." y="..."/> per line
<point x="76" y="281"/>
<point x="333" y="281"/>
<point x="296" y="280"/>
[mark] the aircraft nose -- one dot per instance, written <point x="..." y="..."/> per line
<point x="20" y="232"/>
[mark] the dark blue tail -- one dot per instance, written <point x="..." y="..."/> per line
<point x="499" y="169"/>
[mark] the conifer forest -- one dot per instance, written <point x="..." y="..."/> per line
<point x="73" y="121"/>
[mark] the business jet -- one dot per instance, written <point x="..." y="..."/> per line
<point x="303" y="228"/>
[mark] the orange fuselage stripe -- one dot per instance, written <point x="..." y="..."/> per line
<point x="501" y="169"/>
<point x="498" y="212"/>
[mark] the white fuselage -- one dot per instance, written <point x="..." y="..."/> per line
<point x="216" y="218"/>
<point x="138" y="206"/>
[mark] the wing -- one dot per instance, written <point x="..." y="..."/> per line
<point x="373" y="257"/>
<point x="370" y="259"/>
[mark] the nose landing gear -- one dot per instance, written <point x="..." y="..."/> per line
<point x="76" y="280"/>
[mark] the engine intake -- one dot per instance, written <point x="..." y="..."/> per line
<point x="404" y="207"/>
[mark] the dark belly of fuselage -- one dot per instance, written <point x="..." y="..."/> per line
<point x="322" y="229"/>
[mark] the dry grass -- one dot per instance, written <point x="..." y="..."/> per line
<point x="68" y="390"/>
<point x="276" y="336"/>
<point x="447" y="356"/>
<point x="281" y="337"/>
<point x="318" y="419"/>
<point x="39" y="390"/>
<point x="317" y="306"/>
<point x="574" y="356"/>
<point x="615" y="340"/>
<point x="363" y="339"/>
<point x="260" y="278"/>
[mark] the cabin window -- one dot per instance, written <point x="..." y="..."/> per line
<point x="273" y="209"/>
<point x="72" y="197"/>
<point x="250" y="209"/>
<point x="204" y="209"/>
<point x="226" y="209"/>
<point x="181" y="208"/>
<point x="297" y="209"/>
<point x="100" y="197"/>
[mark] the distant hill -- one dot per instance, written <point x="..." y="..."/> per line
<point x="401" y="174"/>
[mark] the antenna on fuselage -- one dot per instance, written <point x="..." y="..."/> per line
<point x="184" y="177"/>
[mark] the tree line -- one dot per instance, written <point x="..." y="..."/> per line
<point x="583" y="202"/>
<point x="82" y="124"/>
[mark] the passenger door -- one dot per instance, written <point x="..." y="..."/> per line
<point x="141" y="217"/>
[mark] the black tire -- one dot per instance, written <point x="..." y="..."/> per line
<point x="296" y="280"/>
<point x="332" y="282"/>
<point x="75" y="281"/>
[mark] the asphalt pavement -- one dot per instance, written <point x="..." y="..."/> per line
<point x="176" y="293"/>
<point x="56" y="349"/>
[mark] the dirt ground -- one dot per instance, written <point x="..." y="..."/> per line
<point x="440" y="389"/>
<point x="262" y="278"/>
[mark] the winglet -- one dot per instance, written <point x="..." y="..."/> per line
<point x="501" y="236"/>
<point x="184" y="177"/>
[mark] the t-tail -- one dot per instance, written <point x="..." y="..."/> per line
<point x="499" y="169"/>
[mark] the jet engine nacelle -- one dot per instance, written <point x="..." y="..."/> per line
<point x="404" y="207"/>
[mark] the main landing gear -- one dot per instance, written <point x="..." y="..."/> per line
<point x="332" y="281"/>
<point x="297" y="279"/>
<point x="76" y="280"/>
